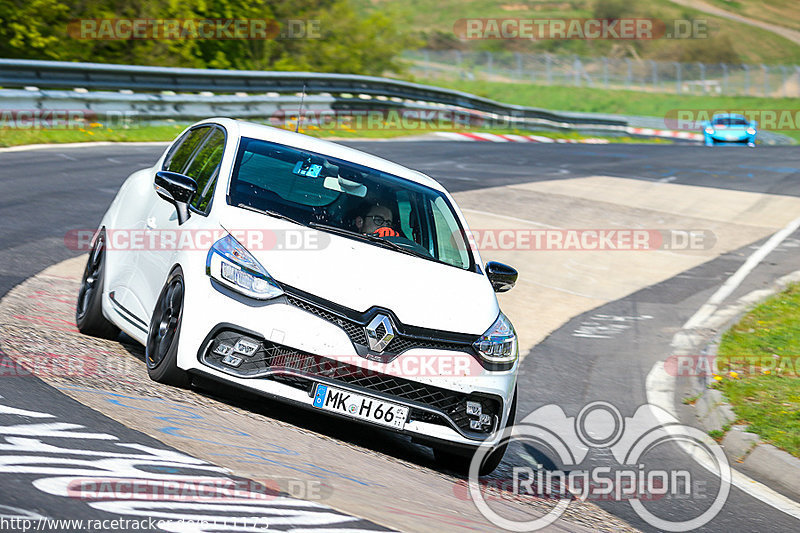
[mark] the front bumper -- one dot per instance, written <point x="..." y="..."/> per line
<point x="717" y="139"/>
<point x="299" y="348"/>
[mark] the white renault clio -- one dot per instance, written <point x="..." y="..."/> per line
<point x="310" y="273"/>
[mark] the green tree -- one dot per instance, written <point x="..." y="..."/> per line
<point x="341" y="41"/>
<point x="26" y="28"/>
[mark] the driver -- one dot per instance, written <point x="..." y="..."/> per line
<point x="377" y="221"/>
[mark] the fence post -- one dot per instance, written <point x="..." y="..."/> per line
<point x="427" y="58"/>
<point x="783" y="81"/>
<point x="677" y="77"/>
<point x="518" y="57"/>
<point x="746" y="79"/>
<point x="797" y="73"/>
<point x="766" y="80"/>
<point x="576" y="71"/>
<point x="629" y="77"/>
<point x="605" y="72"/>
<point x="702" y="76"/>
<point x="654" y="68"/>
<point x="489" y="59"/>
<point x="724" y="78"/>
<point x="549" y="68"/>
<point x="460" y="64"/>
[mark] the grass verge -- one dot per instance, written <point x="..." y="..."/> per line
<point x="615" y="101"/>
<point x="9" y="137"/>
<point x="760" y="358"/>
<point x="16" y="137"/>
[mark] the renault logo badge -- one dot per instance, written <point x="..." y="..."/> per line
<point x="380" y="333"/>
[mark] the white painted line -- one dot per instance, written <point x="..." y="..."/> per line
<point x="26" y="147"/>
<point x="661" y="393"/>
<point x="506" y="217"/>
<point x="490" y="137"/>
<point x="539" y="138"/>
<point x="736" y="279"/>
<point x="516" y="138"/>
<point x="453" y="135"/>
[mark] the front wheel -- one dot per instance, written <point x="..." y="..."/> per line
<point x="161" y="350"/>
<point x="89" y="308"/>
<point x="459" y="460"/>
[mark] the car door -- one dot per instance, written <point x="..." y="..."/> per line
<point x="203" y="166"/>
<point x="129" y="289"/>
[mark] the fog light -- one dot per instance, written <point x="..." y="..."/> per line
<point x="474" y="408"/>
<point x="232" y="360"/>
<point x="245" y="347"/>
<point x="223" y="349"/>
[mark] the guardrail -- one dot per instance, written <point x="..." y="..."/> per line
<point x="342" y="87"/>
<point x="157" y="93"/>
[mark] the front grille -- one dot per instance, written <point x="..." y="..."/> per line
<point x="355" y="330"/>
<point x="299" y="369"/>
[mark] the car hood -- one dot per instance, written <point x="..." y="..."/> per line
<point x="360" y="275"/>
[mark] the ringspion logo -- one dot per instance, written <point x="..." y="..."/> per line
<point x="635" y="475"/>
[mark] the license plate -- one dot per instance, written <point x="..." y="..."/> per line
<point x="361" y="407"/>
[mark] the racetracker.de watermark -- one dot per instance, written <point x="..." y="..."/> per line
<point x="137" y="240"/>
<point x="388" y="119"/>
<point x="166" y="29"/>
<point x="738" y="366"/>
<point x="426" y="363"/>
<point x="196" y="489"/>
<point x="65" y="119"/>
<point x="602" y="455"/>
<point x="625" y="29"/>
<point x="590" y="239"/>
<point x="768" y="119"/>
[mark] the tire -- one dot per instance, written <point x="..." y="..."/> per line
<point x="459" y="460"/>
<point x="89" y="307"/>
<point x="161" y="350"/>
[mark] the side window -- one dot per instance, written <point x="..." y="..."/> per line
<point x="183" y="150"/>
<point x="450" y="249"/>
<point x="204" y="168"/>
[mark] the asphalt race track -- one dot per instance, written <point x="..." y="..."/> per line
<point x="45" y="193"/>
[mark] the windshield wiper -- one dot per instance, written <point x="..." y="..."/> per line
<point x="366" y="237"/>
<point x="271" y="213"/>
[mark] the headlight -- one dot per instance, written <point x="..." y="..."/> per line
<point x="499" y="343"/>
<point x="709" y="130"/>
<point x="232" y="265"/>
<point x="751" y="131"/>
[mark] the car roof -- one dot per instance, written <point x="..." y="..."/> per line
<point x="297" y="140"/>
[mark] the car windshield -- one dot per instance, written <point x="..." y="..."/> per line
<point x="730" y="121"/>
<point x="348" y="199"/>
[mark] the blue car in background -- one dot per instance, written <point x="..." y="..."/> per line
<point x="729" y="128"/>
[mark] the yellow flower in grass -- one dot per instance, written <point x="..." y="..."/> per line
<point x="733" y="374"/>
<point x="717" y="378"/>
<point x="95" y="125"/>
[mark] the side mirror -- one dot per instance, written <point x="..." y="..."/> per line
<point x="178" y="190"/>
<point x="502" y="277"/>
